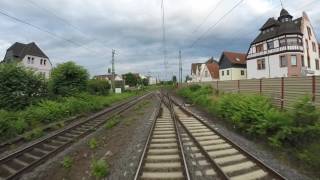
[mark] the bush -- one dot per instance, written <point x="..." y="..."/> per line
<point x="19" y="87"/>
<point x="112" y="122"/>
<point x="67" y="162"/>
<point x="93" y="143"/>
<point x="98" y="87"/>
<point x="68" y="79"/>
<point x="99" y="168"/>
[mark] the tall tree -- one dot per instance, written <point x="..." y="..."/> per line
<point x="67" y="79"/>
<point x="131" y="79"/>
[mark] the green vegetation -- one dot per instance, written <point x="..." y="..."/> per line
<point x="98" y="87"/>
<point x="112" y="122"/>
<point x="19" y="87"/>
<point x="68" y="79"/>
<point x="296" y="131"/>
<point x="131" y="79"/>
<point x="93" y="143"/>
<point x="13" y="123"/>
<point x="35" y="133"/>
<point x="67" y="162"/>
<point x="99" y="168"/>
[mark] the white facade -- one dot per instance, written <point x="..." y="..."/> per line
<point x="202" y="74"/>
<point x="278" y="61"/>
<point x="40" y="65"/>
<point x="232" y="74"/>
<point x="152" y="80"/>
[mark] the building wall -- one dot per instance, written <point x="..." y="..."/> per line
<point x="307" y="44"/>
<point x="272" y="67"/>
<point x="34" y="64"/>
<point x="234" y="74"/>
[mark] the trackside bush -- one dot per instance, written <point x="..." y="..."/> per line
<point x="68" y="79"/>
<point x="13" y="123"/>
<point x="98" y="87"/>
<point x="19" y="87"/>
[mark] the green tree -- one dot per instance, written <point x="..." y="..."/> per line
<point x="188" y="78"/>
<point x="19" y="87"/>
<point x="145" y="81"/>
<point x="131" y="79"/>
<point x="99" y="87"/>
<point x="67" y="79"/>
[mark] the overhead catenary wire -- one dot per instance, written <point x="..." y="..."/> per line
<point x="207" y="17"/>
<point x="215" y="24"/>
<point x="13" y="18"/>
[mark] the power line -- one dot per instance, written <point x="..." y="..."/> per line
<point x="215" y="24"/>
<point x="43" y="30"/>
<point x="206" y="18"/>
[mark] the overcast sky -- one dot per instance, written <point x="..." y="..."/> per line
<point x="133" y="29"/>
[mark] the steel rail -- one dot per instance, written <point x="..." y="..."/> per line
<point x="175" y="120"/>
<point x="145" y="149"/>
<point x="262" y="165"/>
<point x="115" y="109"/>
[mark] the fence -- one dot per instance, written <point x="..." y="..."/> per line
<point x="282" y="91"/>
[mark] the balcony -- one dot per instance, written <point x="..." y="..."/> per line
<point x="275" y="51"/>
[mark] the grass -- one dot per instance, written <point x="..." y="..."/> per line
<point x="35" y="133"/>
<point x="14" y="123"/>
<point x="93" y="143"/>
<point x="99" y="168"/>
<point x="67" y="162"/>
<point x="112" y="122"/>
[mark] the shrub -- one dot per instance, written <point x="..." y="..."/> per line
<point x="35" y="133"/>
<point x="93" y="143"/>
<point x="67" y="162"/>
<point x="98" y="87"/>
<point x="99" y="168"/>
<point x="68" y="79"/>
<point x="19" y="87"/>
<point x="194" y="87"/>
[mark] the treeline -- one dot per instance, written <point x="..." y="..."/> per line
<point x="28" y="101"/>
<point x="295" y="132"/>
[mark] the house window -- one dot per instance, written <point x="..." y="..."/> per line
<point x="206" y="73"/>
<point x="302" y="61"/>
<point x="270" y="45"/>
<point x="242" y="72"/>
<point x="41" y="61"/>
<point x="309" y="32"/>
<point x="314" y="47"/>
<point x="309" y="65"/>
<point x="293" y="41"/>
<point x="222" y="73"/>
<point x="227" y="72"/>
<point x="282" y="42"/>
<point x="283" y="61"/>
<point x="261" y="64"/>
<point x="259" y="48"/>
<point x="293" y="60"/>
<point x="44" y="62"/>
<point x="317" y="64"/>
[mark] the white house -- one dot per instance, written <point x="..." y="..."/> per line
<point x="285" y="47"/>
<point x="31" y="56"/>
<point x="205" y="72"/>
<point x="232" y="66"/>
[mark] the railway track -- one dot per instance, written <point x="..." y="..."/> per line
<point x="15" y="164"/>
<point x="222" y="158"/>
<point x="163" y="156"/>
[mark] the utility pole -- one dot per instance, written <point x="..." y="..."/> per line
<point x="180" y="67"/>
<point x="113" y="71"/>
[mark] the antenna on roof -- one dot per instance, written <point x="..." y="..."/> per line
<point x="281" y="4"/>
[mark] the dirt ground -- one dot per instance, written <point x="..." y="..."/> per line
<point x="120" y="146"/>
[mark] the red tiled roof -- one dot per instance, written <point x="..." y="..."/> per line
<point x="214" y="70"/>
<point x="235" y="58"/>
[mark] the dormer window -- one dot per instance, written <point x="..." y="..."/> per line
<point x="259" y="48"/>
<point x="237" y="59"/>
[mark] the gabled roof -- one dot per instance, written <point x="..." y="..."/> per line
<point x="213" y="69"/>
<point x="235" y="57"/>
<point x="279" y="28"/>
<point x="20" y="50"/>
<point x="211" y="60"/>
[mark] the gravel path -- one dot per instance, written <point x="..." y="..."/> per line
<point x="253" y="147"/>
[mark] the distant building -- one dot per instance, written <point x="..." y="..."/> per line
<point x="232" y="66"/>
<point x="108" y="77"/>
<point x="205" y="72"/>
<point x="285" y="47"/>
<point x="152" y="80"/>
<point x="30" y="56"/>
